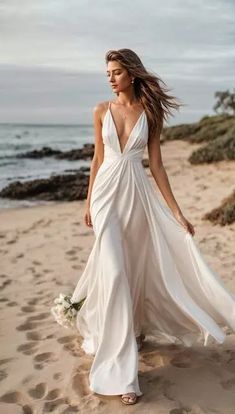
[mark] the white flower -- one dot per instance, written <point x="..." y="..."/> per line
<point x="64" y="311"/>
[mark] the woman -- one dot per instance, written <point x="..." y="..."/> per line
<point x="145" y="274"/>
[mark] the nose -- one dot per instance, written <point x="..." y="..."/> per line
<point x="111" y="78"/>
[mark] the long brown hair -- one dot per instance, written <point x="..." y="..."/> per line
<point x="154" y="98"/>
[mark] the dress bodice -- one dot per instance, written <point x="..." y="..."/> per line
<point x="135" y="144"/>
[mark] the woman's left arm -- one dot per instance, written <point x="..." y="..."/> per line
<point x="160" y="176"/>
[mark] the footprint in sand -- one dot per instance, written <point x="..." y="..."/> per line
<point x="73" y="349"/>
<point x="11" y="397"/>
<point x="39" y="317"/>
<point x="38" y="366"/>
<point x="229" y="384"/>
<point x="15" y="397"/>
<point x="40" y="282"/>
<point x="215" y="357"/>
<point x="182" y="361"/>
<point x="85" y="233"/>
<point x="27" y="409"/>
<point x="3" y="252"/>
<point x="34" y="301"/>
<point x="12" y="241"/>
<point x="12" y="304"/>
<point x="58" y="376"/>
<point x="80" y="385"/>
<point x="66" y="339"/>
<point x="35" y="262"/>
<point x="5" y="283"/>
<point x="28" y="348"/>
<point x="28" y="326"/>
<point x="4" y="300"/>
<point x="34" y="336"/>
<point x="19" y="256"/>
<point x="77" y="267"/>
<point x="71" y="252"/>
<point x="85" y="366"/>
<point x="51" y="406"/>
<point x="72" y="259"/>
<point x="31" y="269"/>
<point x="28" y="309"/>
<point x="39" y="391"/>
<point x="3" y="375"/>
<point x="46" y="271"/>
<point x="71" y="344"/>
<point x="45" y="357"/>
<point x="53" y="394"/>
<point x="70" y="409"/>
<point x="230" y="353"/>
<point x="5" y="361"/>
<point x="38" y="275"/>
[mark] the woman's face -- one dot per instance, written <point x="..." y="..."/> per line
<point x="118" y="76"/>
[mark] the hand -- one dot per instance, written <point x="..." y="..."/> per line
<point x="87" y="216"/>
<point x="185" y="223"/>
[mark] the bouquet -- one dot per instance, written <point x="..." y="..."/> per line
<point x="65" y="311"/>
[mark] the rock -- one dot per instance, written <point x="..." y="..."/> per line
<point x="86" y="152"/>
<point x="44" y="152"/>
<point x="60" y="187"/>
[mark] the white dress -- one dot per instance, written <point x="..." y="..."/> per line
<point x="145" y="273"/>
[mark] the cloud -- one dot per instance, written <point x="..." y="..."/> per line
<point x="183" y="41"/>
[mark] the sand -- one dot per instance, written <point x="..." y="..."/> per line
<point x="43" y="251"/>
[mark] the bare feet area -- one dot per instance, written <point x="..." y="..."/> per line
<point x="43" y="251"/>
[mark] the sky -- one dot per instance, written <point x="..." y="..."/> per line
<point x="52" y="54"/>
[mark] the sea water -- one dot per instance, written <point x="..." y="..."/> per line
<point x="18" y="139"/>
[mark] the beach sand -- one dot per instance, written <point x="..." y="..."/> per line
<point x="43" y="252"/>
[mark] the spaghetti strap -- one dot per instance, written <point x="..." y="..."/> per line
<point x="109" y="105"/>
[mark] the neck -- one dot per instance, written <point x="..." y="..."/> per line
<point x="127" y="99"/>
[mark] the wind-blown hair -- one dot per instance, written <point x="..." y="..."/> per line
<point x="153" y="97"/>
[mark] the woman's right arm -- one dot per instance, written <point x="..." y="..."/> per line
<point x="97" y="157"/>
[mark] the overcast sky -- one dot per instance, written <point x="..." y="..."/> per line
<point x="52" y="67"/>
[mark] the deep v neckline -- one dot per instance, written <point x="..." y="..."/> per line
<point x="115" y="128"/>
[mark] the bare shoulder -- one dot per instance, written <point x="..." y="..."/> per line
<point x="99" y="110"/>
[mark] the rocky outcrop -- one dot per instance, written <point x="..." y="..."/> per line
<point x="86" y="152"/>
<point x="68" y="187"/>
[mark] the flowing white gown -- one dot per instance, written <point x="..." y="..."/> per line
<point x="145" y="273"/>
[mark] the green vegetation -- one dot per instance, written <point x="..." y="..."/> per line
<point x="225" y="213"/>
<point x="221" y="148"/>
<point x="217" y="135"/>
<point x="225" y="102"/>
<point x="218" y="132"/>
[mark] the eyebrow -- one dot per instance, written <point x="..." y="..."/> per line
<point x="113" y="70"/>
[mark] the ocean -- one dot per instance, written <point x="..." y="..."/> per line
<point x="16" y="139"/>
